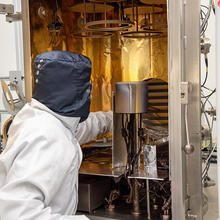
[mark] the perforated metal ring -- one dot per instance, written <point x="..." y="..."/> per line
<point x="141" y="34"/>
<point x="96" y="25"/>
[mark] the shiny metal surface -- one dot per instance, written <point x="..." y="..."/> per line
<point x="119" y="152"/>
<point x="141" y="174"/>
<point x="148" y="199"/>
<point x="136" y="205"/>
<point x="184" y="60"/>
<point x="130" y="97"/>
<point x="97" y="169"/>
<point x="175" y="45"/>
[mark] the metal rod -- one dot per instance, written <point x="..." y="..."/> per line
<point x="133" y="10"/>
<point x="217" y="23"/>
<point x="136" y="206"/>
<point x="84" y="2"/>
<point x="27" y="49"/>
<point x="148" y="199"/>
<point x="105" y="14"/>
<point x="136" y="15"/>
<point x="135" y="164"/>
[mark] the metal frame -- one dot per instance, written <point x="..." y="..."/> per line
<point x="27" y="49"/>
<point x="184" y="62"/>
<point x="184" y="66"/>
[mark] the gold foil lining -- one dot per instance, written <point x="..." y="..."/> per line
<point x="113" y="59"/>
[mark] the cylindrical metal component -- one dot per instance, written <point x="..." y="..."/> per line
<point x="136" y="161"/>
<point x="136" y="208"/>
<point x="148" y="199"/>
<point x="137" y="143"/>
<point x="131" y="97"/>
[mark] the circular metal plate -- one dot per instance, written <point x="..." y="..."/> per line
<point x="142" y="10"/>
<point x="107" y="25"/>
<point x="91" y="8"/>
<point x="154" y="2"/>
<point x="141" y="34"/>
<point x="157" y="26"/>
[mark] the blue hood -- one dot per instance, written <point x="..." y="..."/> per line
<point x="62" y="83"/>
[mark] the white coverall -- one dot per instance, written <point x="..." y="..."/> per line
<point x="39" y="167"/>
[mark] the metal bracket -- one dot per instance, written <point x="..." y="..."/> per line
<point x="9" y="11"/>
<point x="184" y="92"/>
<point x="15" y="77"/>
<point x="6" y="9"/>
<point x="13" y="17"/>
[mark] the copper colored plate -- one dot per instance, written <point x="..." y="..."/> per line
<point x="99" y="25"/>
<point x="91" y="8"/>
<point x="143" y="10"/>
<point x="141" y="34"/>
<point x="154" y="2"/>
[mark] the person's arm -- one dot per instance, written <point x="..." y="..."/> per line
<point x="96" y="123"/>
<point x="35" y="176"/>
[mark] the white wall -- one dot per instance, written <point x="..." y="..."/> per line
<point x="11" y="49"/>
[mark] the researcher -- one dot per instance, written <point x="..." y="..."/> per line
<point x="39" y="166"/>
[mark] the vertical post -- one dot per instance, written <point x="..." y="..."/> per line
<point x="135" y="166"/>
<point x="217" y="28"/>
<point x="27" y="49"/>
<point x="175" y="63"/>
<point x="184" y="66"/>
<point x="148" y="199"/>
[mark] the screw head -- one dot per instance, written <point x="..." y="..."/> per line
<point x="189" y="148"/>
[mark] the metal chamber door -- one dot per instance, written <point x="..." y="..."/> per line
<point x="184" y="108"/>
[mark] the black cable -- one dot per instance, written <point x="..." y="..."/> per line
<point x="204" y="23"/>
<point x="207" y="71"/>
<point x="209" y="95"/>
<point x="205" y="87"/>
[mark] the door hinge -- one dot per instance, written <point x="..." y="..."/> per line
<point x="8" y="10"/>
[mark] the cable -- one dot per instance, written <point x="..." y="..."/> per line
<point x="186" y="124"/>
<point x="213" y="6"/>
<point x="205" y="20"/>
<point x="207" y="70"/>
<point x="208" y="144"/>
<point x="209" y="95"/>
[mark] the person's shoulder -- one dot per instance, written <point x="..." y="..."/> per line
<point x="35" y="120"/>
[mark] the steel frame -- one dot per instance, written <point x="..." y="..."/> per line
<point x="184" y="66"/>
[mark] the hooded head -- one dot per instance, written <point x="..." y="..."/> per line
<point x="62" y="83"/>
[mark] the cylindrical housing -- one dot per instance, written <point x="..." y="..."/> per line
<point x="131" y="97"/>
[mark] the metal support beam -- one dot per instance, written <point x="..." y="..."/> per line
<point x="184" y="66"/>
<point x="27" y="49"/>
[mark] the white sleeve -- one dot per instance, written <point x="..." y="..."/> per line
<point x="96" y="123"/>
<point x="34" y="178"/>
